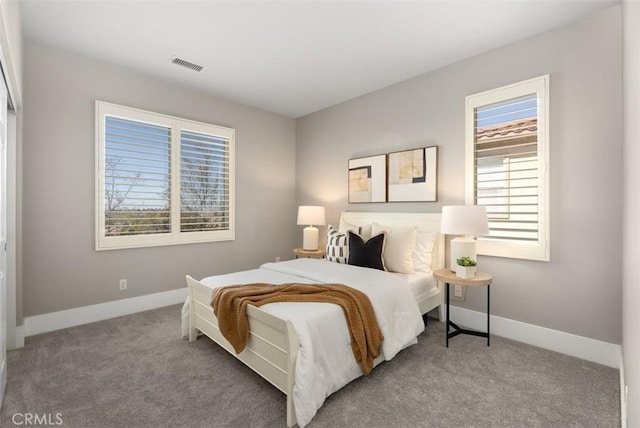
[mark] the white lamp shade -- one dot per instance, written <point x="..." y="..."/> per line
<point x="464" y="220"/>
<point x="310" y="215"/>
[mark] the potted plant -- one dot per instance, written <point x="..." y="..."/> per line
<point x="465" y="268"/>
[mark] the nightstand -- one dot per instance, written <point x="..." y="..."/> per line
<point x="449" y="277"/>
<point x="311" y="254"/>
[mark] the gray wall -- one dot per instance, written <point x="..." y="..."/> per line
<point x="61" y="270"/>
<point x="631" y="149"/>
<point x="579" y="291"/>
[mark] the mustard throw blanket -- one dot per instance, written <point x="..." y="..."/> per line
<point x="230" y="307"/>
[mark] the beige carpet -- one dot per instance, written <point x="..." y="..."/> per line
<point x="136" y="371"/>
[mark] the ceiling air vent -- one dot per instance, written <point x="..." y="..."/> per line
<point x="187" y="64"/>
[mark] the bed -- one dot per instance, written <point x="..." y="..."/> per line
<point x="303" y="349"/>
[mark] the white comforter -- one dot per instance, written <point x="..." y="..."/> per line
<point x="325" y="362"/>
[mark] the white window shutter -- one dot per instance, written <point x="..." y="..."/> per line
<point x="506" y="150"/>
<point x="161" y="180"/>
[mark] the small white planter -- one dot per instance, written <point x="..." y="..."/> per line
<point x="465" y="272"/>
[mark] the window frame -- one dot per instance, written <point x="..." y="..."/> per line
<point x="539" y="250"/>
<point x="176" y="125"/>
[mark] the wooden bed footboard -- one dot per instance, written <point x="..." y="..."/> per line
<point x="273" y="343"/>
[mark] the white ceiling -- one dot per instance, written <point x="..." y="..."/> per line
<point x="292" y="57"/>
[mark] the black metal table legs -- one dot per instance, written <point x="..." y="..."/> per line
<point x="457" y="330"/>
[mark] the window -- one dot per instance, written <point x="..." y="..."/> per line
<point x="161" y="180"/>
<point x="506" y="167"/>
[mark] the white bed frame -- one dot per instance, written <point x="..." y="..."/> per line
<point x="273" y="343"/>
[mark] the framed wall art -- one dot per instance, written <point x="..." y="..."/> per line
<point x="413" y="175"/>
<point x="367" y="179"/>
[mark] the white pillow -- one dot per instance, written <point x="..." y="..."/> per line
<point x="363" y="231"/>
<point x="422" y="250"/>
<point x="398" y="250"/>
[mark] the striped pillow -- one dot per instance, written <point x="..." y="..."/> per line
<point x="337" y="246"/>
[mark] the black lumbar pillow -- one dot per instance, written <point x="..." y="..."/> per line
<point x="366" y="254"/>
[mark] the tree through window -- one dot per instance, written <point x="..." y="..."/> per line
<point x="161" y="180"/>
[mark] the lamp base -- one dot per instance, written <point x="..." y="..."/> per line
<point x="310" y="238"/>
<point x="462" y="247"/>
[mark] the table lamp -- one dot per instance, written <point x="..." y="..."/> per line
<point x="467" y="220"/>
<point x="310" y="215"/>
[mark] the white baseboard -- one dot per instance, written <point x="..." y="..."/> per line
<point x="77" y="316"/>
<point x="604" y="353"/>
<point x="585" y="348"/>
<point x="623" y="394"/>
<point x="19" y="343"/>
<point x="16" y="339"/>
